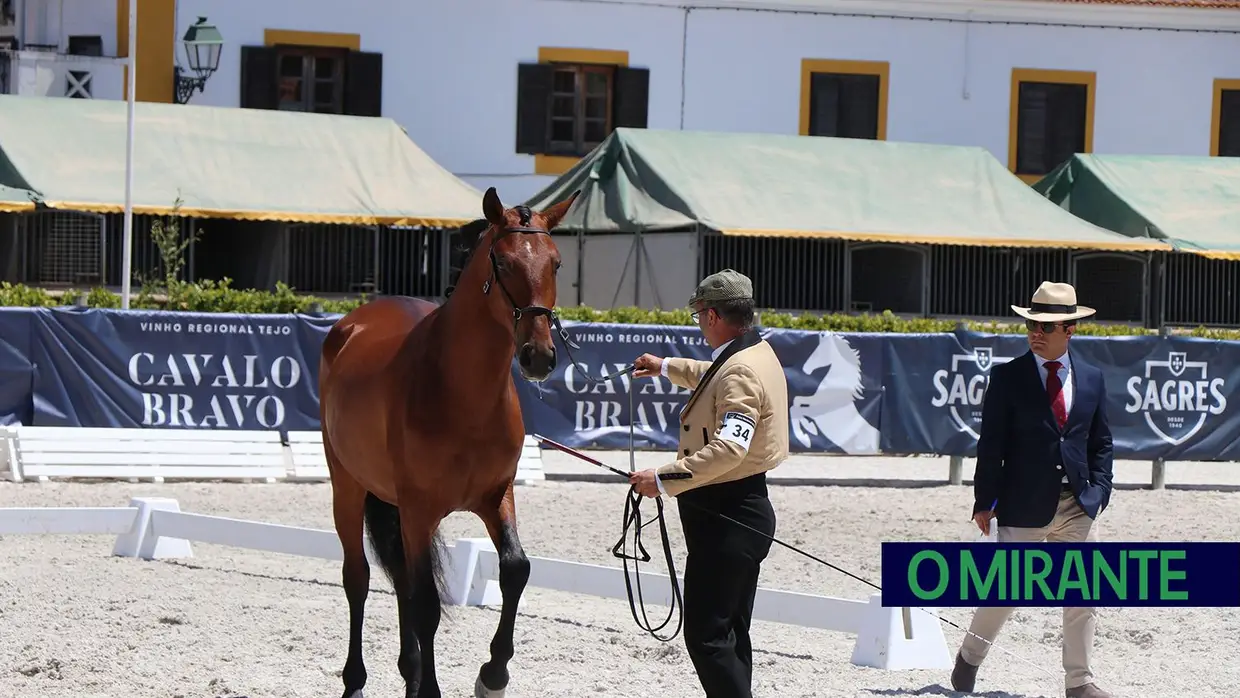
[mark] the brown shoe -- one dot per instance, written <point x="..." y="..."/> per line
<point x="1088" y="690"/>
<point x="964" y="675"/>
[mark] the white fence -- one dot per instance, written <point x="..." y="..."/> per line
<point x="156" y="528"/>
<point x="42" y="453"/>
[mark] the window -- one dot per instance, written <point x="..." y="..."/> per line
<point x="311" y="79"/>
<point x="311" y="72"/>
<point x="1225" y="122"/>
<point x="572" y="99"/>
<point x="844" y="99"/>
<point x="1052" y="119"/>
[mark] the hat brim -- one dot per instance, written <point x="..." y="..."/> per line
<point x="1082" y="311"/>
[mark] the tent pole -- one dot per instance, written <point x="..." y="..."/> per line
<point x="127" y="240"/>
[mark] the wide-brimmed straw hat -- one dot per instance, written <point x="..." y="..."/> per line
<point x="1054" y="302"/>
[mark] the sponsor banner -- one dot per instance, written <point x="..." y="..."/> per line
<point x="1168" y="397"/>
<point x="934" y="388"/>
<point x="98" y="368"/>
<point x="834" y="389"/>
<point x="570" y="408"/>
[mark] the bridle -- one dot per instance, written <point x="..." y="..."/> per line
<point x="519" y="311"/>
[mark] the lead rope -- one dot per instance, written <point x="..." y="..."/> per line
<point x="632" y="521"/>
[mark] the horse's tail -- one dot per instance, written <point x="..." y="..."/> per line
<point x="383" y="524"/>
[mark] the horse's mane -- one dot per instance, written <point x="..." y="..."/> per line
<point x="850" y="370"/>
<point x="462" y="244"/>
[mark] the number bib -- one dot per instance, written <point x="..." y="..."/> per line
<point x="738" y="429"/>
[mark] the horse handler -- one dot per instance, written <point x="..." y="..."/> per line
<point x="734" y="428"/>
<point x="1044" y="457"/>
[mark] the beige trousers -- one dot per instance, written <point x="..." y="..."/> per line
<point x="1070" y="525"/>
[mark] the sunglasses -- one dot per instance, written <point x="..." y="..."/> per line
<point x="1045" y="327"/>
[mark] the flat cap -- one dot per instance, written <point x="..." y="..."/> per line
<point x="726" y="285"/>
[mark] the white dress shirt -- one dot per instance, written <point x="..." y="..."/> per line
<point x="1065" y="378"/>
<point x="714" y="355"/>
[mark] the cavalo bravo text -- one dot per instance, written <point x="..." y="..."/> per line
<point x="213" y="390"/>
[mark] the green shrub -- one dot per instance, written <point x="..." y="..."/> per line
<point x="221" y="297"/>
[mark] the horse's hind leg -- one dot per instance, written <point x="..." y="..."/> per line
<point x="514" y="573"/>
<point x="399" y="537"/>
<point x="348" y="505"/>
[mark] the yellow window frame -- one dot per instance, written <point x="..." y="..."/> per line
<point x="1088" y="78"/>
<point x="559" y="164"/>
<point x="1216" y="110"/>
<point x="882" y="69"/>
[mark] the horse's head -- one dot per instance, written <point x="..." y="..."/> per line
<point x="523" y="263"/>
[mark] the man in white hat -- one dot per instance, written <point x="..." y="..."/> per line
<point x="1044" y="468"/>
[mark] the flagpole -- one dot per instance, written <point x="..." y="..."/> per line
<point x="130" y="97"/>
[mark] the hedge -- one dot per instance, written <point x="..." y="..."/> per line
<point x="221" y="297"/>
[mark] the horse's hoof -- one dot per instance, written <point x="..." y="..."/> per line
<point x="481" y="691"/>
<point x="354" y="694"/>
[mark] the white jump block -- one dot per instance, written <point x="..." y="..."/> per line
<point x="142" y="541"/>
<point x="883" y="643"/>
<point x="468" y="585"/>
<point x="530" y="464"/>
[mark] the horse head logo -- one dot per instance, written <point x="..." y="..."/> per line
<point x="830" y="411"/>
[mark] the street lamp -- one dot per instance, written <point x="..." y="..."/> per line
<point x="202" y="52"/>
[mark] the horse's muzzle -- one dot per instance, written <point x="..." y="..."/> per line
<point x="536" y="364"/>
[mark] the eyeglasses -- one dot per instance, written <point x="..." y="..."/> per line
<point x="697" y="314"/>
<point x="1045" y="327"/>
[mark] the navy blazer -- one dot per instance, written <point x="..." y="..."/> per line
<point x="1022" y="454"/>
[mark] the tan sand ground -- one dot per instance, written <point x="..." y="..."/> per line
<point x="76" y="622"/>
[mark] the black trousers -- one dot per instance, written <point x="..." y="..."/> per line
<point x="721" y="579"/>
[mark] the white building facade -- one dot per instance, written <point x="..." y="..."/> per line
<point x="1030" y="80"/>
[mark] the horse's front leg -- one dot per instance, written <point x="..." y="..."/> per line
<point x="514" y="572"/>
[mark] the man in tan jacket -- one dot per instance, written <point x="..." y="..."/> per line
<point x="733" y="429"/>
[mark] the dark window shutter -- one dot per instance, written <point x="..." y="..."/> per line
<point x="1229" y="124"/>
<point x="258" y="78"/>
<point x="1032" y="116"/>
<point x="630" y="97"/>
<point x="844" y="106"/>
<point x="860" y="115"/>
<point x="534" y="82"/>
<point x="363" y="84"/>
<point x="1050" y="125"/>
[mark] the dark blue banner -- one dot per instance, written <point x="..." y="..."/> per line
<point x="1168" y="397"/>
<point x="834" y="389"/>
<point x="99" y="368"/>
<point x="16" y="367"/>
<point x="1165" y="574"/>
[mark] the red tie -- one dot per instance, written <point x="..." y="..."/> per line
<point x="1055" y="388"/>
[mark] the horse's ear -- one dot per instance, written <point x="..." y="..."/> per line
<point x="492" y="208"/>
<point x="554" y="214"/>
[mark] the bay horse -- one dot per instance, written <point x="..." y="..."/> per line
<point x="420" y="418"/>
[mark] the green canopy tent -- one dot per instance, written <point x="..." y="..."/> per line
<point x="1193" y="203"/>
<point x="774" y="185"/>
<point x="247" y="164"/>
